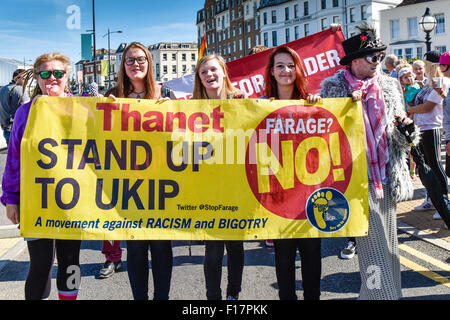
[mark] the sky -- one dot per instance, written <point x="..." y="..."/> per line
<point x="29" y="28"/>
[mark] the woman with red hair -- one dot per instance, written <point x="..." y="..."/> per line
<point x="285" y="79"/>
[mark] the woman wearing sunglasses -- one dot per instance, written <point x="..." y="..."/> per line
<point x="386" y="151"/>
<point x="135" y="80"/>
<point x="285" y="79"/>
<point x="51" y="73"/>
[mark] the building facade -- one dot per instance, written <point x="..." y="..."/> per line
<point x="283" y="21"/>
<point x="106" y="69"/>
<point x="401" y="32"/>
<point x="231" y="27"/>
<point x="173" y="60"/>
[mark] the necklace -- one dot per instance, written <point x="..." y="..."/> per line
<point x="138" y="94"/>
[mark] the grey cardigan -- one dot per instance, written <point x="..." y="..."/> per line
<point x="398" y="172"/>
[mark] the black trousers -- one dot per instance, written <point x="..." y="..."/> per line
<point x="311" y="259"/>
<point x="138" y="268"/>
<point x="42" y="253"/>
<point x="212" y="267"/>
<point x="430" y="145"/>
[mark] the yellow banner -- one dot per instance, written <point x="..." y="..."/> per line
<point x="105" y="68"/>
<point x="95" y="169"/>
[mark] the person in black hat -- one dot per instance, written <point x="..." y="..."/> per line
<point x="386" y="149"/>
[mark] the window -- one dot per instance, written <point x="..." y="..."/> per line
<point x="323" y="23"/>
<point x="395" y="29"/>
<point x="174" y="56"/>
<point x="323" y="4"/>
<point x="441" y="49"/>
<point x="336" y="19"/>
<point x="266" y="39"/>
<point x="306" y="29"/>
<point x="249" y="43"/>
<point x="398" y="53"/>
<point x="440" y="26"/>
<point x="297" y="32"/>
<point x="174" y="69"/>
<point x="274" y="16"/>
<point x="335" y="3"/>
<point x="274" y="39"/>
<point x="408" y="53"/>
<point x="288" y="38"/>
<point x="352" y="15"/>
<point x="164" y="56"/>
<point x="183" y="56"/>
<point x="240" y="44"/>
<point x="286" y="13"/>
<point x="265" y="18"/>
<point x="363" y="12"/>
<point x="184" y="68"/>
<point x="419" y="52"/>
<point x="412" y="27"/>
<point x="164" y="69"/>
<point x="305" y="8"/>
<point x="295" y="10"/>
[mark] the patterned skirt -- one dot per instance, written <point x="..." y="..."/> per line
<point x="378" y="254"/>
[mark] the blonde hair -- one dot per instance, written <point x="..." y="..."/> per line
<point x="432" y="71"/>
<point x="124" y="86"/>
<point x="199" y="91"/>
<point x="32" y="74"/>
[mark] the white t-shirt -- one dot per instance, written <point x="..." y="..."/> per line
<point x="432" y="119"/>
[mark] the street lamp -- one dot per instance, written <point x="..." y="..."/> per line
<point x="109" y="55"/>
<point x="427" y="23"/>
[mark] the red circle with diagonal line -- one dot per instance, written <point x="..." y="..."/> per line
<point x="307" y="148"/>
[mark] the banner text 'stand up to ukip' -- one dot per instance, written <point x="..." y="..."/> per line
<point x="198" y="169"/>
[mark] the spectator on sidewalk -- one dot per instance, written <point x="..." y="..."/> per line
<point x="428" y="116"/>
<point x="12" y="96"/>
<point x="419" y="71"/>
<point x="382" y="101"/>
<point x="390" y="62"/>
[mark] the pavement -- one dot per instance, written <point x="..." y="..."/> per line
<point x="417" y="223"/>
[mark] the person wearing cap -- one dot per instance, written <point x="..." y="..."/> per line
<point x="428" y="115"/>
<point x="386" y="149"/>
<point x="12" y="97"/>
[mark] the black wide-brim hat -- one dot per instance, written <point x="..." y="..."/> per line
<point x="361" y="45"/>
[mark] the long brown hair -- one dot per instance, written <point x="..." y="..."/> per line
<point x="32" y="74"/>
<point x="199" y="91"/>
<point x="301" y="84"/>
<point x="124" y="86"/>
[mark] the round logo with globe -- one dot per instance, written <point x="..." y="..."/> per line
<point x="327" y="210"/>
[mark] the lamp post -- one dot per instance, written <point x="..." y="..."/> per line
<point x="109" y="55"/>
<point x="427" y="23"/>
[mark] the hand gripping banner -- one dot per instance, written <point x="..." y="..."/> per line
<point x="94" y="169"/>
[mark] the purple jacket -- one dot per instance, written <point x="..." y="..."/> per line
<point x="11" y="176"/>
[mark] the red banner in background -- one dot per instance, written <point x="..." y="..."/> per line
<point x="319" y="52"/>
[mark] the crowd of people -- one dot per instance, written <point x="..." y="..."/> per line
<point x="409" y="95"/>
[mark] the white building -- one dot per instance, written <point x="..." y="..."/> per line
<point x="282" y="21"/>
<point x="7" y="68"/>
<point x="173" y="60"/>
<point x="401" y="32"/>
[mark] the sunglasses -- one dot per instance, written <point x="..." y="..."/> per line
<point x="58" y="74"/>
<point x="131" y="61"/>
<point x="374" y="58"/>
